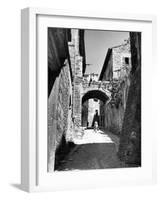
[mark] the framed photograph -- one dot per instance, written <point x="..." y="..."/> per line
<point x="86" y="100"/>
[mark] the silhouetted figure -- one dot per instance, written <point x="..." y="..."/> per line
<point x="96" y="118"/>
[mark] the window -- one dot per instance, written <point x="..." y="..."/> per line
<point x="127" y="60"/>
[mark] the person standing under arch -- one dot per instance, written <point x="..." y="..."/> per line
<point x="95" y="118"/>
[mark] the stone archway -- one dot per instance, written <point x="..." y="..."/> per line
<point x="93" y="100"/>
<point x="84" y="90"/>
<point x="99" y="94"/>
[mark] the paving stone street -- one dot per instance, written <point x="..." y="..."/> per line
<point x="93" y="151"/>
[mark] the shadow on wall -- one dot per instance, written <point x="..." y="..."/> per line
<point x="63" y="149"/>
<point x="130" y="140"/>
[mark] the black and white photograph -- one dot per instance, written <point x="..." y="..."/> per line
<point x="94" y="99"/>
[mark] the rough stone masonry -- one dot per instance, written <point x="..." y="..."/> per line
<point x="69" y="89"/>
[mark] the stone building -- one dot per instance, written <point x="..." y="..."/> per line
<point x="116" y="68"/>
<point x="78" y="65"/>
<point x="130" y="141"/>
<point x="91" y="77"/>
<point x="65" y="53"/>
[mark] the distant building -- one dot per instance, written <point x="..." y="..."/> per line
<point x="94" y="104"/>
<point x="117" y="64"/>
<point x="89" y="108"/>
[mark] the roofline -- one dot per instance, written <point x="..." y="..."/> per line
<point x="123" y="44"/>
<point x="109" y="51"/>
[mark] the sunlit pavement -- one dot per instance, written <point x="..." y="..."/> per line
<point x="90" y="136"/>
<point x="94" y="150"/>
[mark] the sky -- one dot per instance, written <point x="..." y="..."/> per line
<point x="97" y="44"/>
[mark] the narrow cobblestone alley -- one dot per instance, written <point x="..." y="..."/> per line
<point x="93" y="151"/>
<point x="94" y="109"/>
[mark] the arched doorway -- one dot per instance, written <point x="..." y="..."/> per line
<point x="93" y="102"/>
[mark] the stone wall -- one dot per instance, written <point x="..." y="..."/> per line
<point x="66" y="64"/>
<point x="114" y="110"/>
<point x="58" y="113"/>
<point x="118" y="71"/>
<point x="64" y="94"/>
<point x="102" y="114"/>
<point x="130" y="141"/>
<point x="77" y="69"/>
<point x="85" y="114"/>
<point x="113" y="118"/>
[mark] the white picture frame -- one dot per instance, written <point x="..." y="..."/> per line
<point x="30" y="138"/>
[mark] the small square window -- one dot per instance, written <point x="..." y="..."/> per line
<point x="127" y="60"/>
